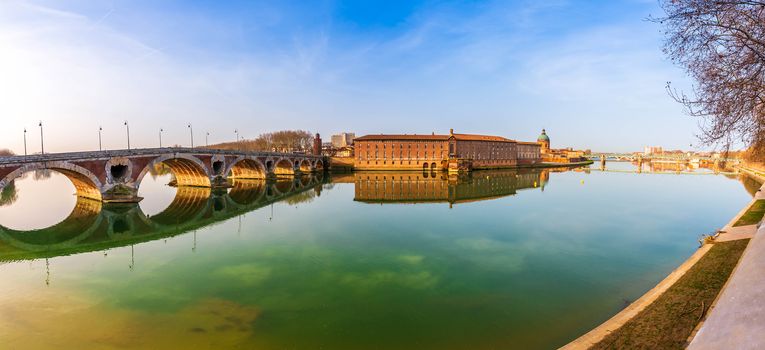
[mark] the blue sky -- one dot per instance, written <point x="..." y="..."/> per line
<point x="591" y="72"/>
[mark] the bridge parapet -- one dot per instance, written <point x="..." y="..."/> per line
<point x="116" y="175"/>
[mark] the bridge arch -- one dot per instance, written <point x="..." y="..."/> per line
<point x="319" y="165"/>
<point x="283" y="166"/>
<point x="85" y="182"/>
<point x="247" y="192"/>
<point x="306" y="166"/>
<point x="187" y="207"/>
<point x="188" y="170"/>
<point x="81" y="223"/>
<point x="283" y="186"/>
<point x="246" y="168"/>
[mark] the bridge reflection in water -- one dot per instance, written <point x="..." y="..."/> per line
<point x="92" y="226"/>
<point x="426" y="187"/>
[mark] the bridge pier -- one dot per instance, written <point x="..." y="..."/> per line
<point x="219" y="181"/>
<point x="121" y="193"/>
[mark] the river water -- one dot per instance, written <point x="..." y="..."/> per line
<point x="497" y="260"/>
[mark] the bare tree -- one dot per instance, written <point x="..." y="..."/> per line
<point x="6" y="152"/>
<point x="280" y="141"/>
<point x="721" y="45"/>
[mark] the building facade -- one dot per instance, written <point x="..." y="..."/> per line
<point x="343" y="139"/>
<point x="649" y="150"/>
<point x="558" y="156"/>
<point x="441" y="152"/>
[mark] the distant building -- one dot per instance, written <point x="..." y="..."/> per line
<point x="345" y="152"/>
<point x="648" y="150"/>
<point x="544" y="141"/>
<point x="343" y="139"/>
<point x="564" y="155"/>
<point x="455" y="152"/>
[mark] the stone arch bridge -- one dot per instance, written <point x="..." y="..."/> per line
<point x="115" y="176"/>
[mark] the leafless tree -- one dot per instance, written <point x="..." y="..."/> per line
<point x="280" y="141"/>
<point x="721" y="45"/>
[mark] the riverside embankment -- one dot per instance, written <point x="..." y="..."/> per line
<point x="674" y="301"/>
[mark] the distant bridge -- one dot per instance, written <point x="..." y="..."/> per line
<point x="675" y="157"/>
<point x="115" y="176"/>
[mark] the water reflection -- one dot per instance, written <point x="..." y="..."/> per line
<point x="338" y="273"/>
<point x="427" y="187"/>
<point x="8" y="195"/>
<point x="91" y="226"/>
<point x="666" y="166"/>
<point x="408" y="187"/>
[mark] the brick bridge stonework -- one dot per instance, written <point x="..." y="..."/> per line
<point x="115" y="176"/>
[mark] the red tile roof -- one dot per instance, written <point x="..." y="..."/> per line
<point x="461" y="137"/>
<point x="469" y="137"/>
<point x="386" y="137"/>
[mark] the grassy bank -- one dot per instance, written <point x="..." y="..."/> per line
<point x="753" y="215"/>
<point x="668" y="322"/>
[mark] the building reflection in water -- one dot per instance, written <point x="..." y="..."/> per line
<point x="92" y="226"/>
<point x="429" y="187"/>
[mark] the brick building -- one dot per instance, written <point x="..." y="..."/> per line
<point x="441" y="152"/>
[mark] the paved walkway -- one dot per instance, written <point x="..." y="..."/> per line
<point x="735" y="233"/>
<point x="737" y="320"/>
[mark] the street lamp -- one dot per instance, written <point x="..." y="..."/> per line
<point x="207" y="144"/>
<point x="160" y="137"/>
<point x="42" y="142"/>
<point x="25" y="142"/>
<point x="127" y="127"/>
<point x="99" y="138"/>
<point x="191" y="131"/>
<point x="236" y="131"/>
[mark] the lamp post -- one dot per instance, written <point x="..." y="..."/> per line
<point x="25" y="142"/>
<point x="207" y="134"/>
<point x="191" y="132"/>
<point x="42" y="141"/>
<point x="160" y="137"/>
<point x="99" y="138"/>
<point x="236" y="131"/>
<point x="127" y="128"/>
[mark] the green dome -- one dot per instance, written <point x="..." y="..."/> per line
<point x="543" y="137"/>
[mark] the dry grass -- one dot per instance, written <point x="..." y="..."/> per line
<point x="668" y="322"/>
<point x="753" y="215"/>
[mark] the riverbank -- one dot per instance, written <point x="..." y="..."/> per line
<point x="657" y="310"/>
<point x="345" y="164"/>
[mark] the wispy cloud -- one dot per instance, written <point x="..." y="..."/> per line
<point x="497" y="67"/>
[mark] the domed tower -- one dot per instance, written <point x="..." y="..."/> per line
<point x="544" y="140"/>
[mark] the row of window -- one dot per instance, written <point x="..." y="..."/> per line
<point x="366" y="155"/>
<point x="393" y="162"/>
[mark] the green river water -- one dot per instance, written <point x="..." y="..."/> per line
<point x="525" y="259"/>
